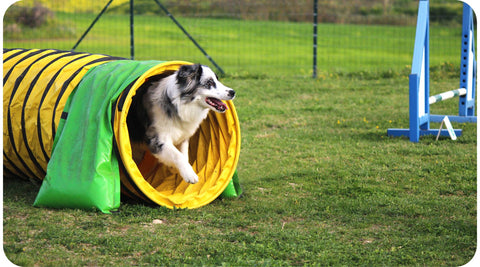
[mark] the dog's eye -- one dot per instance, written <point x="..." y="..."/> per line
<point x="210" y="83"/>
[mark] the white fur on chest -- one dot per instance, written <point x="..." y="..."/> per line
<point x="179" y="129"/>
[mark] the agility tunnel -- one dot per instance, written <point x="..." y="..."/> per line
<point x="65" y="124"/>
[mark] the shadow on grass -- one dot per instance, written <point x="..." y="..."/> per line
<point x="18" y="190"/>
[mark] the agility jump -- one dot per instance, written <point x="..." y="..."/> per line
<point x="419" y="80"/>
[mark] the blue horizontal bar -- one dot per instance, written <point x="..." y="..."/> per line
<point x="460" y="119"/>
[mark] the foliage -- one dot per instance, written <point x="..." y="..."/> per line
<point x="32" y="17"/>
<point x="446" y="13"/>
<point x="27" y="22"/>
<point x="72" y="6"/>
<point x="379" y="12"/>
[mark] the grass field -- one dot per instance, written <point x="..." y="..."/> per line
<point x="323" y="184"/>
<point x="250" y="47"/>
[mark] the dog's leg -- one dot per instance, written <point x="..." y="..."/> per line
<point x="184" y="148"/>
<point x="168" y="154"/>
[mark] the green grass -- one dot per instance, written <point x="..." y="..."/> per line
<point x="323" y="184"/>
<point x="252" y="47"/>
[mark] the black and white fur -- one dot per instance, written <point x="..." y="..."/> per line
<point x="168" y="109"/>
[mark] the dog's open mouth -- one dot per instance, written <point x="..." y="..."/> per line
<point x="217" y="104"/>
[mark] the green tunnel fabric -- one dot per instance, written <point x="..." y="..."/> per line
<point x="83" y="171"/>
<point x="233" y="188"/>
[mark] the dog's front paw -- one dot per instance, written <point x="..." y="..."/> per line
<point x="189" y="176"/>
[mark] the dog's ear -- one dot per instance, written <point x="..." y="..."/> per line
<point x="188" y="73"/>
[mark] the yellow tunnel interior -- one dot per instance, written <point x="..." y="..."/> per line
<point x="213" y="153"/>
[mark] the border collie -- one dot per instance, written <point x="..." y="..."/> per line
<point x="168" y="109"/>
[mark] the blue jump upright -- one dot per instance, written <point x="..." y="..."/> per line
<point x="419" y="79"/>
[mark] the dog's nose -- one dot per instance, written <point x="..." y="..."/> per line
<point x="231" y="93"/>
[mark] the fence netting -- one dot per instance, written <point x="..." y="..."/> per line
<point x="244" y="37"/>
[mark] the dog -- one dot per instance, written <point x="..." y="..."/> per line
<point x="169" y="108"/>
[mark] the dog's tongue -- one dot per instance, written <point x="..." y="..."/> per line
<point x="217" y="104"/>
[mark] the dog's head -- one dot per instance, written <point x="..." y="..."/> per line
<point x="199" y="84"/>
